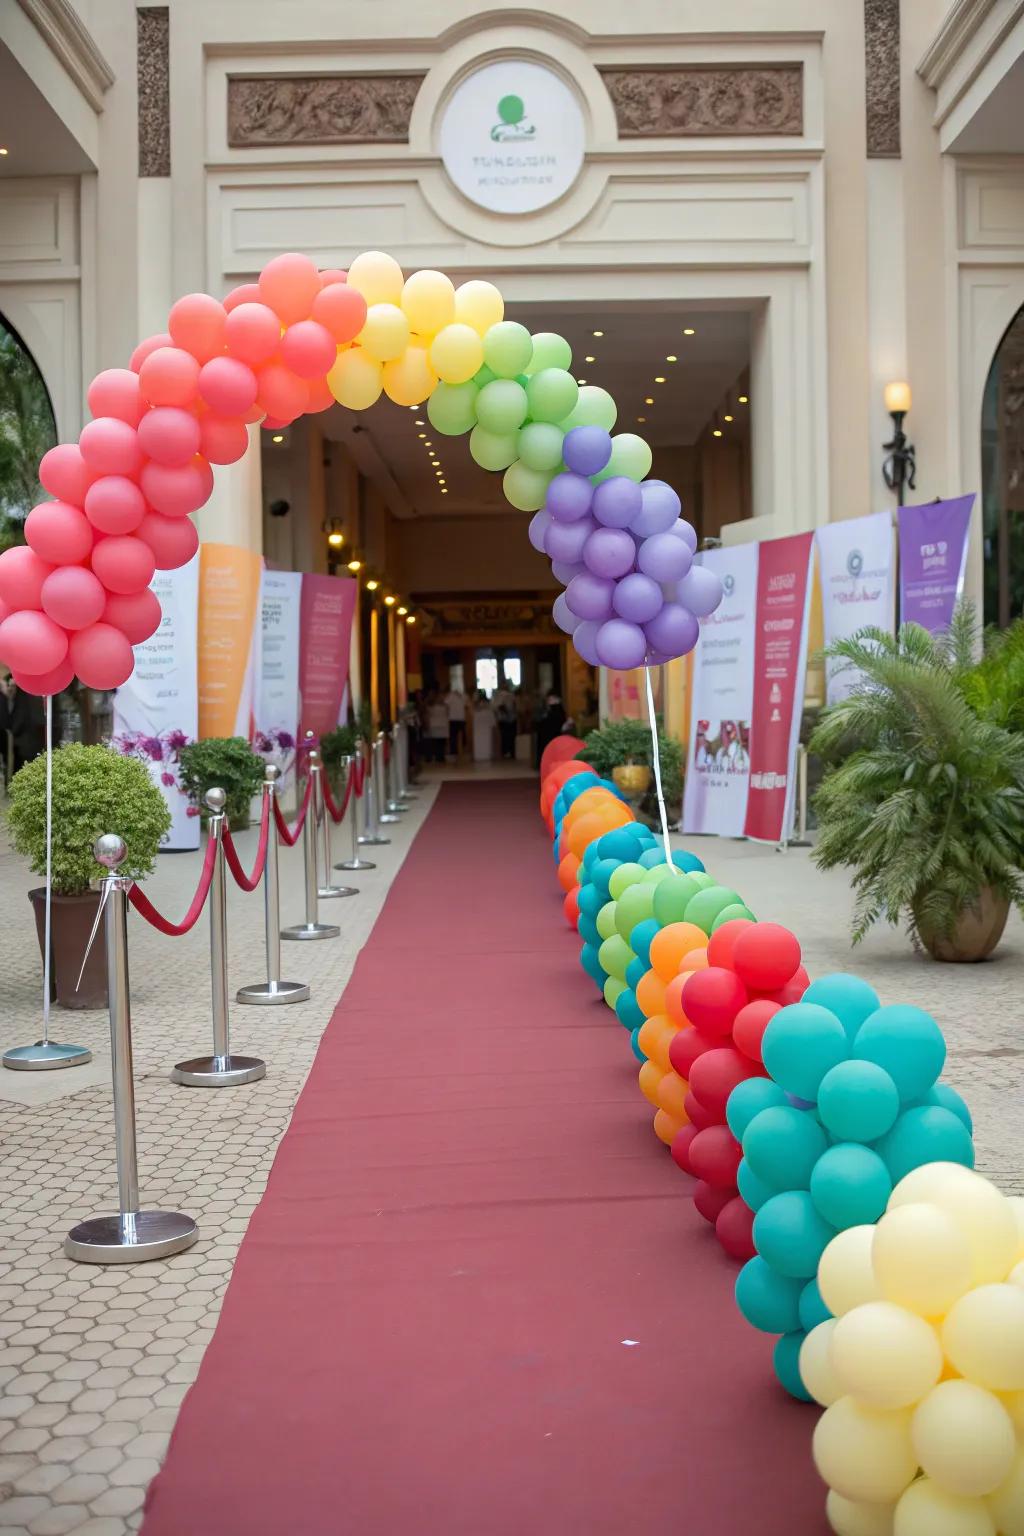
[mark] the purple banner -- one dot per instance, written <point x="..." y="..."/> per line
<point x="933" y="559"/>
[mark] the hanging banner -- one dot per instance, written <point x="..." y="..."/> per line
<point x="328" y="604"/>
<point x="156" y="712"/>
<point x="855" y="559"/>
<point x="277" y="699"/>
<point x="721" y="695"/>
<point x="780" y="666"/>
<point x="229" y="590"/>
<point x="933" y="560"/>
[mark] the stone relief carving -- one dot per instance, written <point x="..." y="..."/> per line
<point x="266" y="110"/>
<point x="882" y="77"/>
<point x="154" y="111"/>
<point x="707" y="100"/>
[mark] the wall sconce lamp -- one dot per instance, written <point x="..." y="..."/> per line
<point x="900" y="468"/>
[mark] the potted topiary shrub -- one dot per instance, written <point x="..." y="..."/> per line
<point x="342" y="742"/>
<point x="95" y="790"/>
<point x="621" y="750"/>
<point x="227" y="763"/>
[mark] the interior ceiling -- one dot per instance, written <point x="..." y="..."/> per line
<point x="391" y="446"/>
<point x="36" y="141"/>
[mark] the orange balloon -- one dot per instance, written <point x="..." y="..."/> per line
<point x="674" y="999"/>
<point x="672" y="1091"/>
<point x="571" y="906"/>
<point x="670" y="944"/>
<point x="553" y="779"/>
<point x="696" y="960"/>
<point x="667" y="1127"/>
<point x="567" y="872"/>
<point x="559" y="750"/>
<point x="593" y="799"/>
<point x="649" y="1077"/>
<point x="579" y="837"/>
<point x="650" y="994"/>
<point x="654" y="1038"/>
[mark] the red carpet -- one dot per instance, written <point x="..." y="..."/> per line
<point x="475" y="1299"/>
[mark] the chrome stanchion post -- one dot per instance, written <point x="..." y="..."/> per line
<point x="385" y="814"/>
<point x="131" y="1235"/>
<point x="371" y="834"/>
<point x="404" y="792"/>
<point x="395" y="804"/>
<point x="273" y="991"/>
<point x="222" y="1069"/>
<point x="325" y="888"/>
<point x="801" y="840"/>
<point x="355" y="862"/>
<point x="312" y="928"/>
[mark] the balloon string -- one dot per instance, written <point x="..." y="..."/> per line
<point x="656" y="760"/>
<point x="49" y="867"/>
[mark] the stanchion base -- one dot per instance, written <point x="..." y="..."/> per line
<point x="45" y="1058"/>
<point x="326" y="891"/>
<point x="355" y="864"/>
<point x="271" y="994"/>
<point x="218" y="1071"/>
<point x="311" y="931"/>
<point x="387" y="819"/>
<point x="131" y="1238"/>
<point x="396" y="808"/>
<point x="376" y="841"/>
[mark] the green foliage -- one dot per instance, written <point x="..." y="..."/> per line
<point x="629" y="741"/>
<point x="95" y="790"/>
<point x="27" y="431"/>
<point x="341" y="742"/>
<point x="995" y="687"/>
<point x="221" y="762"/>
<point x="926" y="804"/>
<point x="364" y="722"/>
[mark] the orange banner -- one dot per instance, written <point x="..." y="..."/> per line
<point x="229" y="594"/>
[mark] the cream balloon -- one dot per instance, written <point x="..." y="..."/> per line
<point x="1013" y="1402"/>
<point x="355" y="380"/>
<point x="984" y="1215"/>
<point x="816" y="1370"/>
<point x="865" y="1453"/>
<point x="377" y="276"/>
<point x="983" y="1337"/>
<point x="928" y="1510"/>
<point x="845" y="1276"/>
<point x="456" y="353"/>
<point x="885" y="1356"/>
<point x="1017" y="1205"/>
<point x="479" y="304"/>
<point x="1007" y="1501"/>
<point x="1016" y="1275"/>
<point x="963" y="1438"/>
<point x="428" y="300"/>
<point x="848" y="1517"/>
<point x="921" y="1258"/>
<point x="385" y="335"/>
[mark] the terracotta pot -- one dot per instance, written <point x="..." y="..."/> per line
<point x="977" y="932"/>
<point x="71" y="920"/>
<point x="632" y="778"/>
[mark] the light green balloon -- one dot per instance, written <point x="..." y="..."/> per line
<point x="737" y="912"/>
<point x="550" y="351"/>
<point x="613" y="990"/>
<point x="656" y="874"/>
<point x="594" y="408"/>
<point x="552" y="394"/>
<point x="635" y="903"/>
<point x="540" y="445"/>
<point x="701" y="879"/>
<point x="508" y="348"/>
<point x="452" y="408"/>
<point x="492" y="450"/>
<point x="630" y="456"/>
<point x="501" y="406"/>
<point x="614" y="956"/>
<point x="483" y="376"/>
<point x="623" y="877"/>
<point x="526" y="489"/>
<point x="605" y="920"/>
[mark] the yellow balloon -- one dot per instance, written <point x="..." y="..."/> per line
<point x="1007" y="1502"/>
<point x="428" y="300"/>
<point x="865" y="1453"/>
<point x="355" y="380"/>
<point x="1013" y="1402"/>
<point x="385" y="335"/>
<point x="377" y="276"/>
<point x="816" y="1369"/>
<point x="479" y="304"/>
<point x="984" y="1215"/>
<point x="963" y="1438"/>
<point x="845" y="1276"/>
<point x="1017" y="1206"/>
<point x="983" y="1337"/>
<point x="409" y="379"/>
<point x="885" y="1356"/>
<point x="921" y="1258"/>
<point x="456" y="353"/>
<point x="850" y="1517"/>
<point x="928" y="1510"/>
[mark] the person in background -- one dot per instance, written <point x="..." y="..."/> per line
<point x="504" y="706"/>
<point x="23" y="720"/>
<point x="456" y="705"/>
<point x="437" y="727"/>
<point x="551" y="723"/>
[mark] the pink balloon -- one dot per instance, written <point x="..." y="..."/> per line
<point x="281" y="393"/>
<point x="169" y="376"/>
<point x="329" y="275"/>
<point x="289" y="284"/>
<point x="228" y="386"/>
<point x="222" y="440"/>
<point x="245" y="293"/>
<point x="102" y="656"/>
<point x="341" y="309"/>
<point x="146" y="348"/>
<point x="124" y="564"/>
<point x="173" y="540"/>
<point x="59" y="532"/>
<point x="54" y="681"/>
<point x="22" y="574"/>
<point x="73" y="597"/>
<point x="115" y="392"/>
<point x="137" y="615"/>
<point x="275" y="423"/>
<point x="30" y="642"/>
<point x="5" y="610"/>
<point x="169" y="435"/>
<point x="110" y="447"/>
<point x="197" y="323"/>
<point x="177" y="492"/>
<point x="65" y="474"/>
<point x="319" y="397"/>
<point x="253" y="334"/>
<point x="308" y="349"/>
<point x="114" y="504"/>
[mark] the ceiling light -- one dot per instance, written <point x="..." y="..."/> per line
<point x="444" y="492"/>
<point x="659" y="378"/>
<point x="581" y="381"/>
<point x="278" y="437"/>
<point x="371" y="585"/>
<point x="648" y="400"/>
<point x="641" y="418"/>
<point x="391" y="601"/>
<point x="590" y="359"/>
<point x="743" y="399"/>
<point x="688" y="330"/>
<point x="4" y="151"/>
<point x="727" y="418"/>
<point x="422" y="434"/>
<point x="597" y="333"/>
<point x="419" y="423"/>
<point x="671" y="358"/>
<point x="355" y="565"/>
<point x="402" y="612"/>
<point x="411" y="619"/>
<point x="441" y="480"/>
<point x="717" y="432"/>
<point x="336" y="540"/>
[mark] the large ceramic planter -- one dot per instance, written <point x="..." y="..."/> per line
<point x="977" y="932"/>
<point x="71" y="920"/>
<point x="634" y="779"/>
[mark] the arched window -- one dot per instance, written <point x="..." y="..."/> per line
<point x="27" y="431"/>
<point x="1002" y="475"/>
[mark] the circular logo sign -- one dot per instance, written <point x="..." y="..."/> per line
<point x="512" y="137"/>
<point x="854" y="562"/>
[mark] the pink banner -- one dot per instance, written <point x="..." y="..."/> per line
<point x="780" y="657"/>
<point x="325" y="637"/>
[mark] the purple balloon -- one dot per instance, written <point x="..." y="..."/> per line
<point x="658" y="658"/>
<point x="564" y="571"/>
<point x="563" y="614"/>
<point x="663" y="557"/>
<point x="585" y="641"/>
<point x="540" y="522"/>
<point x="637" y="598"/>
<point x="687" y="532"/>
<point x="590" y="597"/>
<point x="565" y="541"/>
<point x="700" y="591"/>
<point x="658" y="511"/>
<point x="673" y="631"/>
<point x="617" y="501"/>
<point x="621" y="645"/>
<point x="609" y="552"/>
<point x="587" y="449"/>
<point x="569" y="497"/>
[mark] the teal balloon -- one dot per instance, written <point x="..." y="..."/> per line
<point x="737" y="913"/>
<point x="603" y="871"/>
<point x="672" y="897"/>
<point x="637" y="969"/>
<point x="493" y="450"/>
<point x="590" y="900"/>
<point x="552" y="394"/>
<point x="501" y="407"/>
<point x="907" y="1042"/>
<point x="786" y="1360"/>
<point x="928" y="1134"/>
<point x="632" y="907"/>
<point x="628" y="1010"/>
<point x="782" y="1145"/>
<point x="791" y="1235"/>
<point x="849" y="998"/>
<point x="802" y="1043"/>
<point x="748" y="1099"/>
<point x="631" y="457"/>
<point x="619" y="843"/>
<point x="637" y="1048"/>
<point x="850" y="1185"/>
<point x="587" y="930"/>
<point x="594" y="408"/>
<point x="944" y="1097"/>
<point x="769" y="1300"/>
<point x="641" y="937"/>
<point x="549" y="351"/>
<point x="483" y="376"/>
<point x="708" y="903"/>
<point x="508" y="348"/>
<point x="858" y="1101"/>
<point x="526" y="489"/>
<point x="614" y="956"/>
<point x="754" y="1190"/>
<point x="591" y="964"/>
<point x="812" y="1309"/>
<point x="540" y="445"/>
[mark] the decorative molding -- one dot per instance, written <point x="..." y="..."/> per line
<point x="945" y="49"/>
<point x="458" y="617"/>
<point x="71" y="43"/>
<point x="154" y="79"/>
<point x="274" y="110"/>
<point x="707" y="101"/>
<point x="882" y="78"/>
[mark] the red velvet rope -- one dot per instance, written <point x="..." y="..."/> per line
<point x="387" y="748"/>
<point x="249" y="882"/>
<point x="338" y="814"/>
<point x="145" y="908"/>
<point x="290" y="836"/>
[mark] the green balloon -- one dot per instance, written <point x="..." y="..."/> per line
<point x="492" y="450"/>
<point x="452" y="408"/>
<point x="671" y="899"/>
<point x="605" y="920"/>
<point x="550" y="351"/>
<point x="552" y="394"/>
<point x="594" y="408"/>
<point x="635" y="903"/>
<point x="702" y="880"/>
<point x="736" y="913"/>
<point x="631" y="456"/>
<point x="501" y="406"/>
<point x="540" y="445"/>
<point x="656" y="874"/>
<point x="613" y="990"/>
<point x="526" y="489"/>
<point x="483" y="376"/>
<point x="508" y="348"/>
<point x="622" y="878"/>
<point x="707" y="904"/>
<point x="614" y="956"/>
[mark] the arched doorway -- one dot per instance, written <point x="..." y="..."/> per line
<point x="1002" y="465"/>
<point x="28" y="429"/>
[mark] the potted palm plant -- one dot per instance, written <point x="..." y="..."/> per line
<point x="222" y="762"/>
<point x="95" y="790"/>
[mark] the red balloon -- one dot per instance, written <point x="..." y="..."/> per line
<point x="281" y="393"/>
<point x="169" y="435"/>
<point x="341" y="310"/>
<point x="329" y="275"/>
<point x="177" y="492"/>
<point x="319" y="397"/>
<point x="114" y="504"/>
<point x="173" y="540"/>
<point x="115" y="392"/>
<point x="734" y="1229"/>
<point x="22" y="574"/>
<point x="54" y="681"/>
<point x="32" y="643"/>
<point x="228" y="386"/>
<point x="146" y="348"/>
<point x="196" y="324"/>
<point x="110" y="447"/>
<point x="680" y="1147"/>
<point x="59" y="533"/>
<point x="252" y="333"/>
<point x="710" y="1201"/>
<point x="289" y="284"/>
<point x="720" y="944"/>
<point x="766" y="956"/>
<point x="73" y="597"/>
<point x="695" y="1111"/>
<point x="136" y="615"/>
<point x="715" y="1156"/>
<point x="558" y="751"/>
<point x="65" y="474"/>
<point x="750" y="1024"/>
<point x="712" y="998"/>
<point x="716" y="1073"/>
<point x="794" y="989"/>
<point x="123" y="564"/>
<point x="222" y="440"/>
<point x="308" y="349"/>
<point x="245" y="293"/>
<point x="685" y="1047"/>
<point x="101" y="656"/>
<point x="570" y="906"/>
<point x="169" y="376"/>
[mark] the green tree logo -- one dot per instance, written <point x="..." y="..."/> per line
<point x="513" y="122"/>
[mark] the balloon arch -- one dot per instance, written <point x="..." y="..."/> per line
<point x="76" y="597"/>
